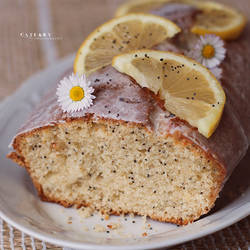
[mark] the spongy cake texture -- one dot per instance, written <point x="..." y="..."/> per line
<point x="119" y="168"/>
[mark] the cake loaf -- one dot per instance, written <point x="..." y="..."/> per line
<point x="127" y="154"/>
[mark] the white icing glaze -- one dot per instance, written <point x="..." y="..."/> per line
<point x="168" y="46"/>
<point x="117" y="97"/>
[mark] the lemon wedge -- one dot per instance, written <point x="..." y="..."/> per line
<point x="120" y="35"/>
<point x="189" y="90"/>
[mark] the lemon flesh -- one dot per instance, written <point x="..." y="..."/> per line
<point x="188" y="89"/>
<point x="120" y="35"/>
<point x="220" y="20"/>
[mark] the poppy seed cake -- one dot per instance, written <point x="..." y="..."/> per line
<point x="125" y="154"/>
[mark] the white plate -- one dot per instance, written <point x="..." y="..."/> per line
<point x="20" y="206"/>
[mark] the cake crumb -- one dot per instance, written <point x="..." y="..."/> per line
<point x="85" y="212"/>
<point x="99" y="228"/>
<point x="106" y="217"/>
<point x="69" y="220"/>
<point x="114" y="226"/>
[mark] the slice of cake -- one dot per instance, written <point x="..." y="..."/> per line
<point x="127" y="153"/>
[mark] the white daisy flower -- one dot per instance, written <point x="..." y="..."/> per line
<point x="74" y="93"/>
<point x="209" y="51"/>
<point x="217" y="72"/>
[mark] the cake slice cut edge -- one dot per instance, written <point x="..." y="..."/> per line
<point x="120" y="167"/>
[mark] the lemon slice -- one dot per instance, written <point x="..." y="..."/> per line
<point x="189" y="90"/>
<point x="220" y="20"/>
<point x="145" y="6"/>
<point x="123" y="34"/>
<point x="135" y="6"/>
<point x="215" y="18"/>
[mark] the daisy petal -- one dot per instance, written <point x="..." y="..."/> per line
<point x="210" y="60"/>
<point x="64" y="97"/>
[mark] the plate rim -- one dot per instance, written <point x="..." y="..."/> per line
<point x="72" y="244"/>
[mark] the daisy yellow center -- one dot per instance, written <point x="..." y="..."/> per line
<point x="76" y="94"/>
<point x="208" y="51"/>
